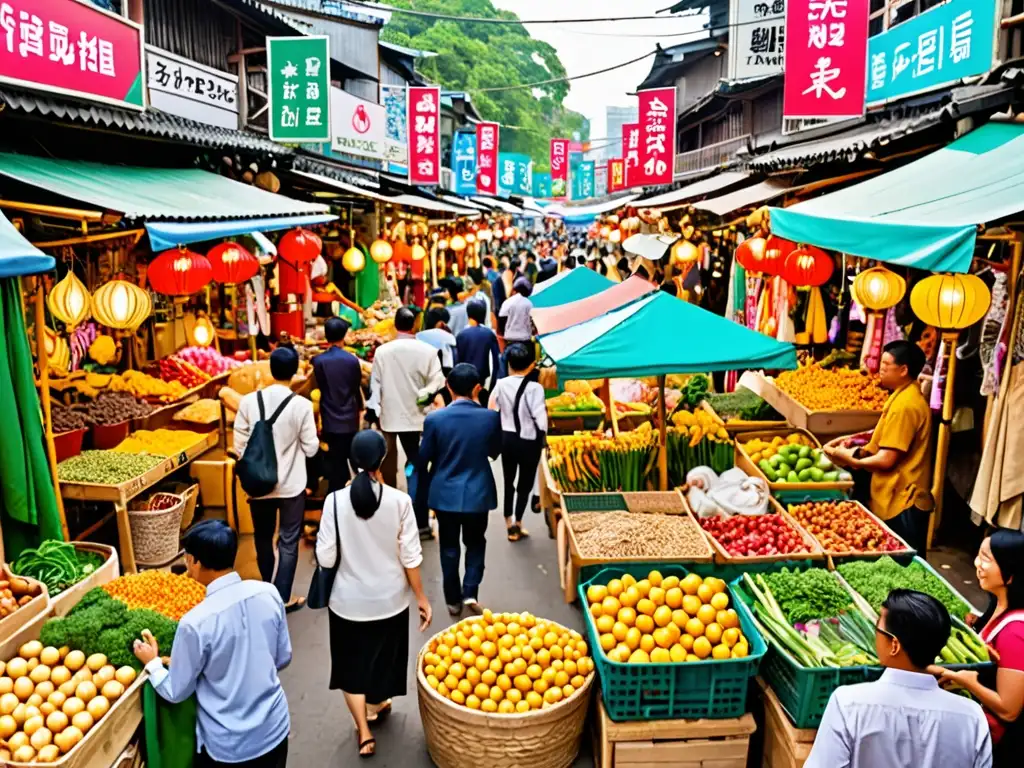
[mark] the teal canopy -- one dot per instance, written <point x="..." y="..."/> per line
<point x="925" y="214"/>
<point x="17" y="255"/>
<point x="657" y="335"/>
<point x="579" y="283"/>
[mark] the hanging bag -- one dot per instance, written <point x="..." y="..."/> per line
<point x="323" y="578"/>
<point x="257" y="469"/>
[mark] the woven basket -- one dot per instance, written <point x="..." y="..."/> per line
<point x="458" y="737"/>
<point x="155" y="534"/>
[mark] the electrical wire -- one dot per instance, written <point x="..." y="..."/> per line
<point x="483" y="20"/>
<point x="560" y="79"/>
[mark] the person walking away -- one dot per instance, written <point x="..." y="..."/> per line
<point x="295" y="440"/>
<point x="904" y="719"/>
<point x="436" y="333"/>
<point x="478" y="346"/>
<point x="369" y="531"/>
<point x="489" y="271"/>
<point x="1000" y="569"/>
<point x="456" y="308"/>
<point x="479" y="290"/>
<point x="340" y="379"/>
<point x="228" y="651"/>
<point x="530" y="270"/>
<point x="502" y="287"/>
<point x="519" y="399"/>
<point x="514" y="323"/>
<point x="456" y="481"/>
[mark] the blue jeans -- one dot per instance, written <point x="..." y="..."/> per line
<point x="264" y="522"/>
<point x="473" y="526"/>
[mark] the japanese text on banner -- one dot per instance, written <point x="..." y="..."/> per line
<point x="300" y="89"/>
<point x="559" y="166"/>
<point x="616" y="175"/>
<point x="424" y="136"/>
<point x="630" y="150"/>
<point x="487" y="170"/>
<point x="657" y="138"/>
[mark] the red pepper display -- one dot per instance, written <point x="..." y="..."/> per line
<point x="751" y="535"/>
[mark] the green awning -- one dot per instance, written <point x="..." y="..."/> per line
<point x="576" y="284"/>
<point x="661" y="334"/>
<point x="925" y="214"/>
<point x="17" y="255"/>
<point x="186" y="194"/>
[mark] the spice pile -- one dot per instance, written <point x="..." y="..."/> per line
<point x="57" y="564"/>
<point x="637" y="535"/>
<point x="832" y="389"/>
<point x="64" y="419"/>
<point x="874" y="580"/>
<point x="105" y="467"/>
<point x="113" y="408"/>
<point x="167" y="593"/>
<point x="160" y="442"/>
<point x="844" y="527"/>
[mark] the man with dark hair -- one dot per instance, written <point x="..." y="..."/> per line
<point x="228" y="651"/>
<point x="340" y="379"/>
<point x="899" y="454"/>
<point x="904" y="719"/>
<point x="295" y="440"/>
<point x="456" y="308"/>
<point x="435" y="333"/>
<point x="489" y="271"/>
<point x="478" y="346"/>
<point x="530" y="270"/>
<point x="456" y="481"/>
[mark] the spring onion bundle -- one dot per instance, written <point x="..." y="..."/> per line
<point x="57" y="564"/>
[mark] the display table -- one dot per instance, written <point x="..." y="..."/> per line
<point x="820" y="423"/>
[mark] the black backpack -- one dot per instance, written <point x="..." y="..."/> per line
<point x="257" y="469"/>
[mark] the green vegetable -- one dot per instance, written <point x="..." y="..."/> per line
<point x="57" y="564"/>
<point x="105" y="467"/>
<point x="697" y="389"/>
<point x="874" y="580"/>
<point x="743" y="405"/>
<point x="116" y="642"/>
<point x="809" y="594"/>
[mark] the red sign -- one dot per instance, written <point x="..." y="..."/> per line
<point x="630" y="149"/>
<point x="657" y="138"/>
<point x="424" y="121"/>
<point x="73" y="48"/>
<point x="559" y="159"/>
<point x="487" y="158"/>
<point x="616" y="175"/>
<point x="826" y="58"/>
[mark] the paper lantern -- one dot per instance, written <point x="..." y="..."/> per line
<point x="179" y="273"/>
<point x="604" y="232"/>
<point x="442" y="245"/>
<point x="485" y="235"/>
<point x="750" y="254"/>
<point x="419" y="253"/>
<point x="470" y="238"/>
<point x="878" y="289"/>
<point x="808" y="266"/>
<point x="381" y="251"/>
<point x="497" y="233"/>
<point x="950" y="302"/>
<point x="510" y="232"/>
<point x="353" y="260"/>
<point x="69" y="301"/>
<point x="232" y="264"/>
<point x="615" y="236"/>
<point x="121" y="305"/>
<point x="402" y="251"/>
<point x="202" y="334"/>
<point x="684" y="252"/>
<point x="458" y="243"/>
<point x="776" y="249"/>
<point x="299" y="246"/>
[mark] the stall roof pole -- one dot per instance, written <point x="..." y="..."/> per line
<point x="662" y="437"/>
<point x="945" y="429"/>
<point x="44" y="395"/>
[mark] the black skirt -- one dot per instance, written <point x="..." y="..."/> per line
<point x="370" y="657"/>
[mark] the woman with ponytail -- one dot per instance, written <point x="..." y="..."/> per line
<point x="368" y="530"/>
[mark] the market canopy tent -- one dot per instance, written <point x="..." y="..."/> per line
<point x="17" y="255"/>
<point x="925" y="214"/>
<point x="585" y="214"/>
<point x="551" y="319"/>
<point x="578" y="284"/>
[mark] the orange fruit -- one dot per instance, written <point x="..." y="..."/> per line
<point x="701" y="648"/>
<point x="730" y="636"/>
<point x="713" y="632"/>
<point x="706" y="614"/>
<point x="731" y="619"/>
<point x="680" y="617"/>
<point x="663" y="615"/>
<point x="643" y="587"/>
<point x="721" y="652"/>
<point x="691" y="604"/>
<point x="482" y="691"/>
<point x="627" y="616"/>
<point x="488" y="705"/>
<point x="674" y="597"/>
<point x="720" y="601"/>
<point x="619" y="631"/>
<point x="522" y="707"/>
<point x="740" y="650"/>
<point x="657" y="595"/>
<point x="615" y="587"/>
<point x="686" y="641"/>
<point x="719" y="585"/>
<point x="705" y="592"/>
<point x="603" y="623"/>
<point x="539" y="686"/>
<point x="639" y="657"/>
<point x="609" y="605"/>
<point x="695" y="628"/>
<point x="646" y="607"/>
<point x="628" y="580"/>
<point x="504" y="683"/>
<point x="669" y="582"/>
<point x="472" y="702"/>
<point x="489" y="649"/>
<point x="660" y="656"/>
<point x="692" y="657"/>
<point x="561" y="679"/>
<point x="645" y="623"/>
<point x="674" y="632"/>
<point x="655" y="578"/>
<point x="633" y="638"/>
<point x="663" y="638"/>
<point x="647" y="643"/>
<point x="465" y="687"/>
<point x="488" y="677"/>
<point x="607" y="641"/>
<point x="677" y="653"/>
<point x="690" y="584"/>
<point x="458" y="697"/>
<point x="534" y="699"/>
<point x="522" y="683"/>
<point x="630" y="597"/>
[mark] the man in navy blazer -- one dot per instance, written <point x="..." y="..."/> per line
<point x="457" y="482"/>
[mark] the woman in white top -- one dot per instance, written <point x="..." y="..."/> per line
<point x="369" y="530"/>
<point x="524" y="425"/>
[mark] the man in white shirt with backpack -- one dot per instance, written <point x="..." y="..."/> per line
<point x="294" y="440"/>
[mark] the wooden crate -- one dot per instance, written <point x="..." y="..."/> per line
<point x="37" y="606"/>
<point x="815" y="551"/>
<point x="736" y="426"/>
<point x="785" y="746"/>
<point x="744" y="462"/>
<point x="830" y="423"/>
<point x="671" y="743"/>
<point x="835" y="555"/>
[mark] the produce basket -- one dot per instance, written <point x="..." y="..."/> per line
<point x="68" y="444"/>
<point x="906" y="552"/>
<point x="712" y="689"/>
<point x="736" y="426"/>
<point x="24" y="614"/>
<point x="815" y="552"/>
<point x="109" y="571"/>
<point x="458" y="737"/>
<point x="567" y="422"/>
<point x="107" y="436"/>
<point x="155" y="532"/>
<point x="190" y="492"/>
<point x="845" y="422"/>
<point x="744" y="462"/>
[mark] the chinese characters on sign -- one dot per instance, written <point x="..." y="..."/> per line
<point x="186" y="88"/>
<point x="487" y="158"/>
<point x="942" y="45"/>
<point x="756" y="46"/>
<point x="396" y="151"/>
<point x="514" y="174"/>
<point x="464" y="163"/>
<point x="424" y="125"/>
<point x="630" y="150"/>
<point x="299" y="74"/>
<point x="357" y="125"/>
<point x="542" y="185"/>
<point x="826" y="58"/>
<point x="583" y="180"/>
<point x="616" y="175"/>
<point x="73" y="48"/>
<point x="559" y="166"/>
<point x="657" y="140"/>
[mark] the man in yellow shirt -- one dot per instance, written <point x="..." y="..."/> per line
<point x="899" y="454"/>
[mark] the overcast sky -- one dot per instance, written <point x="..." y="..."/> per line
<point x="588" y="47"/>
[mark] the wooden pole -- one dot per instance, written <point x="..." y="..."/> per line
<point x="945" y="430"/>
<point x="44" y="397"/>
<point x="662" y="437"/>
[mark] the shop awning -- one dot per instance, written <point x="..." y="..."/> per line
<point x="651" y="247"/>
<point x="925" y="214"/>
<point x="18" y="256"/>
<point x="494" y="203"/>
<point x="635" y="341"/>
<point x="678" y="197"/>
<point x="427" y="204"/>
<point x="464" y="202"/>
<point x="743" y="198"/>
<point x="585" y="214"/>
<point x="343" y="186"/>
<point x="578" y="284"/>
<point x="551" y="319"/>
<point x="170" y="234"/>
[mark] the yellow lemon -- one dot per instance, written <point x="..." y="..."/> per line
<point x="596" y="610"/>
<point x="647" y="643"/>
<point x="692" y="657"/>
<point x="680" y="617"/>
<point x="705" y="592"/>
<point x="677" y="653"/>
<point x="718" y="585"/>
<point x="553" y="695"/>
<point x="720" y="601"/>
<point x="639" y="657"/>
<point x="628" y="580"/>
<point x="539" y="686"/>
<point x="645" y="623"/>
<point x="662" y="638"/>
<point x="534" y="671"/>
<point x="643" y="587"/>
<point x="472" y="702"/>
<point x="465" y="687"/>
<point x="670" y="582"/>
<point x="432" y="682"/>
<point x="604" y="625"/>
<point x="687" y="642"/>
<point x="482" y="663"/>
<point x="544" y="657"/>
<point x="497" y="665"/>
<point x="610" y="605"/>
<point x="523" y="683"/>
<point x="656" y="595"/>
<point x="548" y="675"/>
<point x="515" y="695"/>
<point x="662" y="615"/>
<point x="691" y="604"/>
<point x="690" y="584"/>
<point x="534" y="700"/>
<point x="655" y="578"/>
<point x="706" y="614"/>
<point x="730" y="636"/>
<point x="561" y="679"/>
<point x="630" y="597"/>
<point x="713" y="632"/>
<point x="721" y="652"/>
<point x="506" y="707"/>
<point x="660" y="656"/>
<point x="674" y="597"/>
<point x="442" y="689"/>
<point x="522" y="707"/>
<point x="646" y="607"/>
<point x="458" y="697"/>
<point x="615" y="587"/>
<point x="488" y="705"/>
<point x="740" y="650"/>
<point x="482" y="690"/>
<point x="701" y="648"/>
<point x="632" y="638"/>
<point x="488" y="677"/>
<point x="731" y="619"/>
<point x="695" y="628"/>
<point x="619" y="631"/>
<point x="489" y="649"/>
<point x="627" y="616"/>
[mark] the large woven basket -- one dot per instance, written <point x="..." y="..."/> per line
<point x="458" y="737"/>
<point x="155" y="533"/>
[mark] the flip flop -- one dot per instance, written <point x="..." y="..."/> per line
<point x="370" y="742"/>
<point x="295" y="604"/>
<point x="513" y="533"/>
<point x="383" y="711"/>
<point x="523" y="533"/>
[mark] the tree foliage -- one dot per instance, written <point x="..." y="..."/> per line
<point x="475" y="56"/>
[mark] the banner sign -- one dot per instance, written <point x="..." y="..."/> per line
<point x="583" y="180"/>
<point x="559" y="166"/>
<point x="616" y="175"/>
<point x="756" y="42"/>
<point x="657" y="137"/>
<point x="396" y="142"/>
<point x="826" y="58"/>
<point x="487" y="158"/>
<point x="630" y="150"/>
<point x="186" y="88"/>
<point x="74" y="49"/>
<point x="542" y="185"/>
<point x="299" y="75"/>
<point x="514" y="174"/>
<point x="464" y="163"/>
<point x="600" y="179"/>
<point x="942" y="45"/>
<point x="424" y="125"/>
<point x="357" y="125"/>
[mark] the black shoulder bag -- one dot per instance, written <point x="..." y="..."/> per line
<point x="322" y="583"/>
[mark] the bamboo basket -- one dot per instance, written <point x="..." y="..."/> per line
<point x="458" y="737"/>
<point x="155" y="533"/>
<point x="39" y="605"/>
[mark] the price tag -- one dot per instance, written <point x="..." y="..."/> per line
<point x="182" y="458"/>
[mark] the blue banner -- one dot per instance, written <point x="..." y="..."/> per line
<point x="514" y="174"/>
<point x="942" y="45"/>
<point x="542" y="185"/>
<point x="583" y="180"/>
<point x="464" y="163"/>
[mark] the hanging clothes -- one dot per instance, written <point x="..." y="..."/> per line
<point x="998" y="496"/>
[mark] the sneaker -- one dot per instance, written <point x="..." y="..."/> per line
<point x="473" y="606"/>
<point x="455" y="610"/>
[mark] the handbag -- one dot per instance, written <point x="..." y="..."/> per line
<point x="322" y="583"/>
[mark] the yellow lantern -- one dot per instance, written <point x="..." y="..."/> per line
<point x="510" y="232"/>
<point x="878" y="289"/>
<point x="381" y="251"/>
<point x="615" y="236"/>
<point x="605" y="231"/>
<point x="121" y="305"/>
<point x="442" y="245"/>
<point x="684" y="252"/>
<point x="458" y="243"/>
<point x="353" y="260"/>
<point x="69" y="301"/>
<point x="470" y="238"/>
<point x="419" y="253"/>
<point x="202" y="333"/>
<point x="951" y="302"/>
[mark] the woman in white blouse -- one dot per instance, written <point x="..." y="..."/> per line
<point x="369" y="530"/>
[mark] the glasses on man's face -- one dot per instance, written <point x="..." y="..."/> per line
<point x="881" y="631"/>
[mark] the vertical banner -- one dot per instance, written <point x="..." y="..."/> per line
<point x="583" y="180"/>
<point x="464" y="163"/>
<point x="487" y="158"/>
<point x="299" y="92"/>
<point x="559" y="166"/>
<point x="542" y="185"/>
<point x="424" y="126"/>
<point x="630" y="150"/>
<point x="616" y="175"/>
<point x="826" y="58"/>
<point x="657" y="152"/>
<point x="396" y="142"/>
<point x="514" y="174"/>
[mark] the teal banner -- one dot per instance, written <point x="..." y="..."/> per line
<point x="514" y="174"/>
<point x="542" y="185"/>
<point x="583" y="180"/>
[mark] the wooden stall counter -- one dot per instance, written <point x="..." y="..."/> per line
<point x="785" y="746"/>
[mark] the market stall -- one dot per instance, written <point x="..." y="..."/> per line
<point x="577" y="284"/>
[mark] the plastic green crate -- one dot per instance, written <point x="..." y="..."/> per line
<point x="594" y="502"/>
<point x="667" y="691"/>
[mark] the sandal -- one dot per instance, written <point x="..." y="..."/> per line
<point x="295" y="604"/>
<point x="513" y="533"/>
<point x="382" y="711"/>
<point x="372" y="744"/>
<point x="523" y="533"/>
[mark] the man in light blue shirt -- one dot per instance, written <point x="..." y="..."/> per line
<point x="904" y="719"/>
<point x="227" y="650"/>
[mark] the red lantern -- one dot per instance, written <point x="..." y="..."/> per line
<point x="808" y="266"/>
<point x="299" y="246"/>
<point x="776" y="249"/>
<point x="232" y="264"/>
<point x="402" y="252"/>
<point x="179" y="273"/>
<point x="750" y="254"/>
